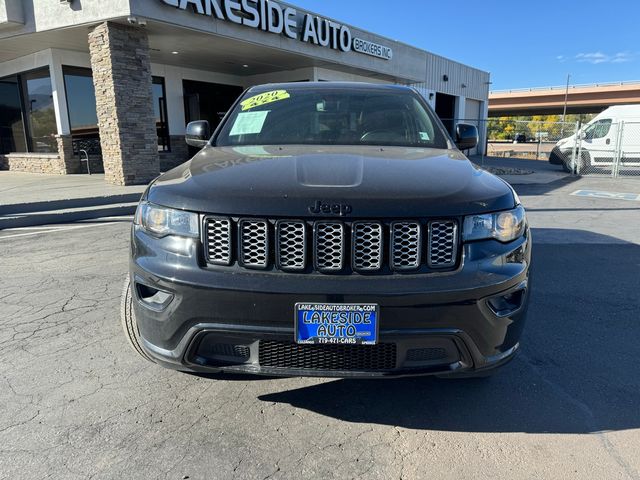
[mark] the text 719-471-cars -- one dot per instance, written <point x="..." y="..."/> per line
<point x="329" y="229"/>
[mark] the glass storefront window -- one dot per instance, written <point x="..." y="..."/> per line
<point x="38" y="96"/>
<point x="208" y="101"/>
<point x="27" y="114"/>
<point x="81" y="105"/>
<point x="160" y="113"/>
<point x="81" y="100"/>
<point x="12" y="135"/>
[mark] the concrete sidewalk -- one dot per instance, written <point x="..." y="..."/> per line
<point x="18" y="188"/>
<point x="28" y="199"/>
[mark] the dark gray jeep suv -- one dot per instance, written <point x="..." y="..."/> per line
<point x="329" y="229"/>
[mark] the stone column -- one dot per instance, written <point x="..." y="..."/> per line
<point x="122" y="81"/>
<point x="70" y="161"/>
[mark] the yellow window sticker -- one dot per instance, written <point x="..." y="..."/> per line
<point x="264" y="98"/>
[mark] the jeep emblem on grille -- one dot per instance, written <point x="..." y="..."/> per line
<point x="341" y="209"/>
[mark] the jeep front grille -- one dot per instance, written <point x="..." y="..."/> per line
<point x="218" y="241"/>
<point x="332" y="246"/>
<point x="367" y="246"/>
<point x="291" y="244"/>
<point x="254" y="243"/>
<point x="442" y="236"/>
<point x="405" y="245"/>
<point x="328" y="245"/>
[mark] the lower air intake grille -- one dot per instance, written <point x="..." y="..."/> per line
<point x="229" y="350"/>
<point x="426" y="354"/>
<point x="328" y="357"/>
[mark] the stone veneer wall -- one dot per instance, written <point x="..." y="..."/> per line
<point x="71" y="162"/>
<point x="33" y="163"/>
<point x="179" y="153"/>
<point x="60" y="163"/>
<point x="122" y="80"/>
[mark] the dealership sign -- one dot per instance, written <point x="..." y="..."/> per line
<point x="270" y="16"/>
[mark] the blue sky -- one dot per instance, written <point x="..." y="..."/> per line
<point x="522" y="44"/>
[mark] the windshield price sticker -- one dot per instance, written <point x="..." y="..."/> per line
<point x="336" y="323"/>
<point x="248" y="123"/>
<point x="264" y="98"/>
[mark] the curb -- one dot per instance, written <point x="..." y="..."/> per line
<point x="68" y="215"/>
<point x="68" y="204"/>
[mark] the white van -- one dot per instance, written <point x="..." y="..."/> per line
<point x="617" y="126"/>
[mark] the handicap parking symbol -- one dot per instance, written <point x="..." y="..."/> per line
<point x="603" y="194"/>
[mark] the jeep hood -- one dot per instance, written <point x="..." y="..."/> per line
<point x="284" y="181"/>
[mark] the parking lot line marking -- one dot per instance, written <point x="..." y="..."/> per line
<point x="52" y="230"/>
<point x="610" y="195"/>
<point x="33" y="227"/>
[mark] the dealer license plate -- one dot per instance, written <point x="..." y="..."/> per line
<point x="337" y="323"/>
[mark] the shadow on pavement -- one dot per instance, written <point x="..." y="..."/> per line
<point x="577" y="371"/>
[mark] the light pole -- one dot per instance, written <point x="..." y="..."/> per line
<point x="564" y="110"/>
<point x="566" y="94"/>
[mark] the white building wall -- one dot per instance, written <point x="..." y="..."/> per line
<point x="462" y="80"/>
<point x="42" y="15"/>
<point x="473" y="115"/>
<point x="297" y="75"/>
<point x="460" y="109"/>
<point x="328" y="75"/>
<point x="428" y="93"/>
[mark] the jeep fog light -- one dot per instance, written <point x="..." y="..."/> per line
<point x="505" y="305"/>
<point x="154" y="298"/>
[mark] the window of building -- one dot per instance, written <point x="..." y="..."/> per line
<point x="81" y="105"/>
<point x="12" y="132"/>
<point x="81" y="100"/>
<point x="208" y="101"/>
<point x="27" y="115"/>
<point x="160" y="114"/>
<point x="40" y="113"/>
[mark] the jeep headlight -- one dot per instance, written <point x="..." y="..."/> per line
<point x="162" y="221"/>
<point x="503" y="226"/>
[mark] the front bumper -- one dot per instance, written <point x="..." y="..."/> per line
<point x="231" y="320"/>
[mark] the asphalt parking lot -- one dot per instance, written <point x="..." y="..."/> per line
<point x="77" y="403"/>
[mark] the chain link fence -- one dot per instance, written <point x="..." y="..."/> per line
<point x="533" y="140"/>
<point x="603" y="147"/>
<point x="600" y="147"/>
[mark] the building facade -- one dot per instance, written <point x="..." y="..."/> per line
<point x="110" y="86"/>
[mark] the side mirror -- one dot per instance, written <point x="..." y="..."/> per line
<point x="466" y="136"/>
<point x="197" y="134"/>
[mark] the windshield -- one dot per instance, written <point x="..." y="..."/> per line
<point x="331" y="116"/>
